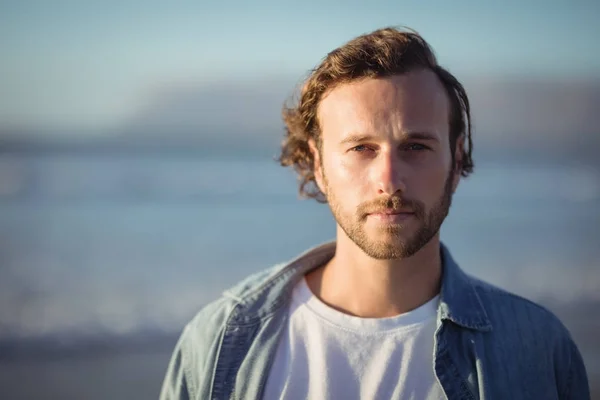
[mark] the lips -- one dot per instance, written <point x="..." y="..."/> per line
<point x="392" y="216"/>
<point x="390" y="211"/>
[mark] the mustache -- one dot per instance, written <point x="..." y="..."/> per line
<point x="394" y="203"/>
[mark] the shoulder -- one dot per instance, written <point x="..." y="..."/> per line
<point x="530" y="329"/>
<point x="249" y="296"/>
<point x="214" y="315"/>
<point x="211" y="318"/>
<point x="507" y="310"/>
<point x="254" y="283"/>
<point x="527" y="325"/>
<point x="196" y="352"/>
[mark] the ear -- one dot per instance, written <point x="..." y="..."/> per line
<point x="317" y="164"/>
<point x="458" y="160"/>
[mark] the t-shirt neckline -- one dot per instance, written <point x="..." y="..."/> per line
<point x="426" y="312"/>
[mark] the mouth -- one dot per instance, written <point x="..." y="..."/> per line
<point x="391" y="211"/>
<point x="391" y="215"/>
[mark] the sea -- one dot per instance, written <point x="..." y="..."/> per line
<point x="102" y="252"/>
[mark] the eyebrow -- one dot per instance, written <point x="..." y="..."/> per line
<point x="358" y="138"/>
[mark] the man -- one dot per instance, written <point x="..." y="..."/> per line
<point x="382" y="134"/>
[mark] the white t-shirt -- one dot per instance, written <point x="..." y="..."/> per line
<point x="326" y="354"/>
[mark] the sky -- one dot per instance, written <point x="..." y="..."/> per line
<point x="91" y="65"/>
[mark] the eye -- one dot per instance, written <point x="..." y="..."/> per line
<point x="361" y="148"/>
<point x="416" y="147"/>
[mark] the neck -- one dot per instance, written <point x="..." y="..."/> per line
<point x="356" y="284"/>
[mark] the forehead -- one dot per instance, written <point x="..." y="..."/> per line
<point x="415" y="100"/>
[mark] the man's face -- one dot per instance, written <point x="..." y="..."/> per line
<point x="385" y="163"/>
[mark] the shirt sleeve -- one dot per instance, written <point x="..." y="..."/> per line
<point x="577" y="385"/>
<point x="176" y="385"/>
<point x="191" y="368"/>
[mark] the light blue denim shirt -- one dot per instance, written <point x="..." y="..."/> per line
<point x="489" y="344"/>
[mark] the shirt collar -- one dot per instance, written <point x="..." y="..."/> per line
<point x="459" y="301"/>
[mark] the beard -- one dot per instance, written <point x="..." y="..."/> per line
<point x="393" y="242"/>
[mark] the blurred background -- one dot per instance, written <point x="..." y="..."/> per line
<point x="138" y="181"/>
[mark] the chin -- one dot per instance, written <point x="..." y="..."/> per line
<point x="392" y="234"/>
<point x="386" y="248"/>
<point x="382" y="252"/>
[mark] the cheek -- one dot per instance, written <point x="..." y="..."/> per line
<point x="351" y="173"/>
<point x="349" y="182"/>
<point x="427" y="183"/>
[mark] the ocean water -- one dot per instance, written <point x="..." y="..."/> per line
<point x="109" y="246"/>
<point x="115" y="244"/>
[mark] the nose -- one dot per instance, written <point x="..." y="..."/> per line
<point x="389" y="173"/>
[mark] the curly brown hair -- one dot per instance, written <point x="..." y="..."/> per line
<point x="384" y="52"/>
